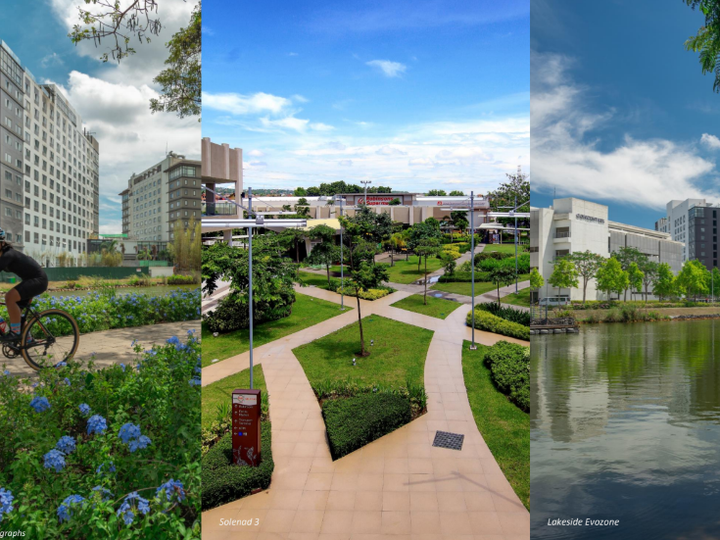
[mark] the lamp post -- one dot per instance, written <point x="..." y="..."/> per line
<point x="472" y="267"/>
<point x="366" y="183"/>
<point x="342" y="264"/>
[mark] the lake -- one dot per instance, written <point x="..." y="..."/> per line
<point x="625" y="425"/>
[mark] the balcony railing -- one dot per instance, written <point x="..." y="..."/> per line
<point x="219" y="209"/>
<point x="562" y="234"/>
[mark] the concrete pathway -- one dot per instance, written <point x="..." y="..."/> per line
<point x="398" y="487"/>
<point x="114" y="346"/>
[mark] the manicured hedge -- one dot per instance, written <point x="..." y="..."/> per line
<point x="223" y="482"/>
<point x="491" y="323"/>
<point x="370" y="294"/>
<point x="465" y="277"/>
<point x="352" y="423"/>
<point x="509" y="314"/>
<point x="509" y="364"/>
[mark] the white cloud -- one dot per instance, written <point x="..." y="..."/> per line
<point x="52" y="59"/>
<point x="111" y="226"/>
<point x="421" y="162"/>
<point x="240" y="104"/>
<point x="643" y="172"/>
<point x="345" y="162"/>
<point x="299" y="98"/>
<point x="256" y="153"/>
<point x="254" y="164"/>
<point x="319" y="126"/>
<point x="388" y="67"/>
<point x="710" y="140"/>
<point x="390" y="151"/>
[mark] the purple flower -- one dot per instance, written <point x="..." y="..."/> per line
<point x="172" y="487"/>
<point x="96" y="424"/>
<point x="84" y="409"/>
<point x="55" y="459"/>
<point x="129" y="431"/>
<point x="40" y="403"/>
<point x="133" y="504"/>
<point x="66" y="445"/>
<point x="64" y="510"/>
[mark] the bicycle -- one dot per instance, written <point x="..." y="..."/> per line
<point x="46" y="338"/>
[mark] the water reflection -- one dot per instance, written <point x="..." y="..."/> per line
<point x="625" y="424"/>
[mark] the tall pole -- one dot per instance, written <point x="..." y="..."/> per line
<point x="250" y="229"/>
<point x="516" y="246"/>
<point x="472" y="267"/>
<point x="342" y="265"/>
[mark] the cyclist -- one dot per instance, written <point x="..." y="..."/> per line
<point x="34" y="283"/>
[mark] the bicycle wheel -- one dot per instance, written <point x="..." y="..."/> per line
<point x="50" y="337"/>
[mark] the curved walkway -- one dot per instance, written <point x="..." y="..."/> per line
<point x="398" y="487"/>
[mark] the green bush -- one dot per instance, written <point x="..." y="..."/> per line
<point x="491" y="323"/>
<point x="370" y="294"/>
<point x="509" y="365"/>
<point x="224" y="482"/>
<point x="105" y="432"/>
<point x="353" y="422"/>
<point x="509" y="314"/>
<point x="460" y="276"/>
<point x="332" y="389"/>
<point x="232" y="312"/>
<point x="490" y="263"/>
<point x="180" y="279"/>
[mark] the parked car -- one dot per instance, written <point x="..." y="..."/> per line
<point x="555" y="301"/>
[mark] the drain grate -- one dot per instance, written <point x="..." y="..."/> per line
<point x="443" y="439"/>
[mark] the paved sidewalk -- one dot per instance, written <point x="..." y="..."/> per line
<point x="398" y="487"/>
<point x="114" y="346"/>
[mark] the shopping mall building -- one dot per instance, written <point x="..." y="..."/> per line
<point x="573" y="225"/>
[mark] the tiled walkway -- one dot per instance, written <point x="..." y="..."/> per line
<point x="398" y="487"/>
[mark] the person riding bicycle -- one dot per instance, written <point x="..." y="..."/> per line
<point x="34" y="283"/>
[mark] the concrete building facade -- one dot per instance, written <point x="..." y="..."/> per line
<point x="49" y="199"/>
<point x="694" y="222"/>
<point x="573" y="225"/>
<point x="159" y="196"/>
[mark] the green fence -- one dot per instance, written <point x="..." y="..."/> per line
<point x="75" y="272"/>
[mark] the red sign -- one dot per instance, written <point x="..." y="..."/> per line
<point x="377" y="201"/>
<point x="246" y="427"/>
<point x="439" y="203"/>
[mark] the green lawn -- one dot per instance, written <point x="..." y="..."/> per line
<point x="436" y="307"/>
<point x="397" y="356"/>
<point x="481" y="287"/>
<point x="406" y="271"/>
<point x="502" y="248"/>
<point x="522" y="298"/>
<point x="221" y="392"/>
<point x="311" y="278"/>
<point x="306" y="311"/>
<point x="505" y="428"/>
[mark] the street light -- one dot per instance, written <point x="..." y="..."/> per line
<point x="366" y="183"/>
<point x="209" y="225"/>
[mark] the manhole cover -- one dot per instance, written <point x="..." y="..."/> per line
<point x="443" y="439"/>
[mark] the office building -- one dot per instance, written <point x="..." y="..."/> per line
<point x="157" y="198"/>
<point x="49" y="165"/>
<point x="694" y="222"/>
<point x="573" y="225"/>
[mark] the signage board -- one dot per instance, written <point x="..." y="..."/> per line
<point x="377" y="200"/>
<point x="246" y="427"/>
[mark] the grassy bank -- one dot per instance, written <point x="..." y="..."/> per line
<point x="436" y="307"/>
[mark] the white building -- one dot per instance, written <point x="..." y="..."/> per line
<point x="157" y="197"/>
<point x="676" y="222"/>
<point x="57" y="196"/>
<point x="573" y="225"/>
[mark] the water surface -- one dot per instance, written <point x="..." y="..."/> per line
<point x="625" y="424"/>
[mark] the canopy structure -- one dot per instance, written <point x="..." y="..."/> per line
<point x="214" y="225"/>
<point x="500" y="227"/>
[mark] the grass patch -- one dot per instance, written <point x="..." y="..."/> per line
<point x="502" y="248"/>
<point x="481" y="287"/>
<point x="436" y="307"/>
<point x="397" y="357"/>
<point x="314" y="279"/>
<point x="306" y="312"/>
<point x="220" y="393"/>
<point x="522" y="298"/>
<point x="407" y="272"/>
<point x="505" y="428"/>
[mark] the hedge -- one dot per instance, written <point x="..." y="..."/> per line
<point x="509" y="365"/>
<point x="223" y="482"/>
<point x="352" y="423"/>
<point x="370" y="294"/>
<point x="509" y="314"/>
<point x="465" y="277"/>
<point x="491" y="323"/>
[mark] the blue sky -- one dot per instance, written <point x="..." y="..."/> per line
<point x="416" y="95"/>
<point x="112" y="99"/>
<point x="621" y="113"/>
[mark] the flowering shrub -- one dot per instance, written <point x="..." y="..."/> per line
<point x="113" y="454"/>
<point x="106" y="310"/>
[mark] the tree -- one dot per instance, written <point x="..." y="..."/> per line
<point x="649" y="269"/>
<point x="427" y="247"/>
<point x="185" y="246"/>
<point x="394" y="202"/>
<point x="436" y="193"/>
<point x="707" y="41"/>
<point x="501" y="276"/>
<point x="300" y="192"/>
<point x="587" y="264"/>
<point x="364" y="275"/>
<point x="421" y="232"/>
<point x="627" y="256"/>
<point x="504" y="196"/>
<point x="395" y="243"/>
<point x="456" y="193"/>
<point x="302" y="207"/>
<point x="292" y="238"/>
<point x="635" y="277"/>
<point x="611" y="278"/>
<point x="181" y="80"/>
<point x="536" y="280"/>
<point x="715" y="282"/>
<point x="564" y="275"/>
<point x="693" y="278"/>
<point x="325" y="251"/>
<point x="664" y="282"/>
